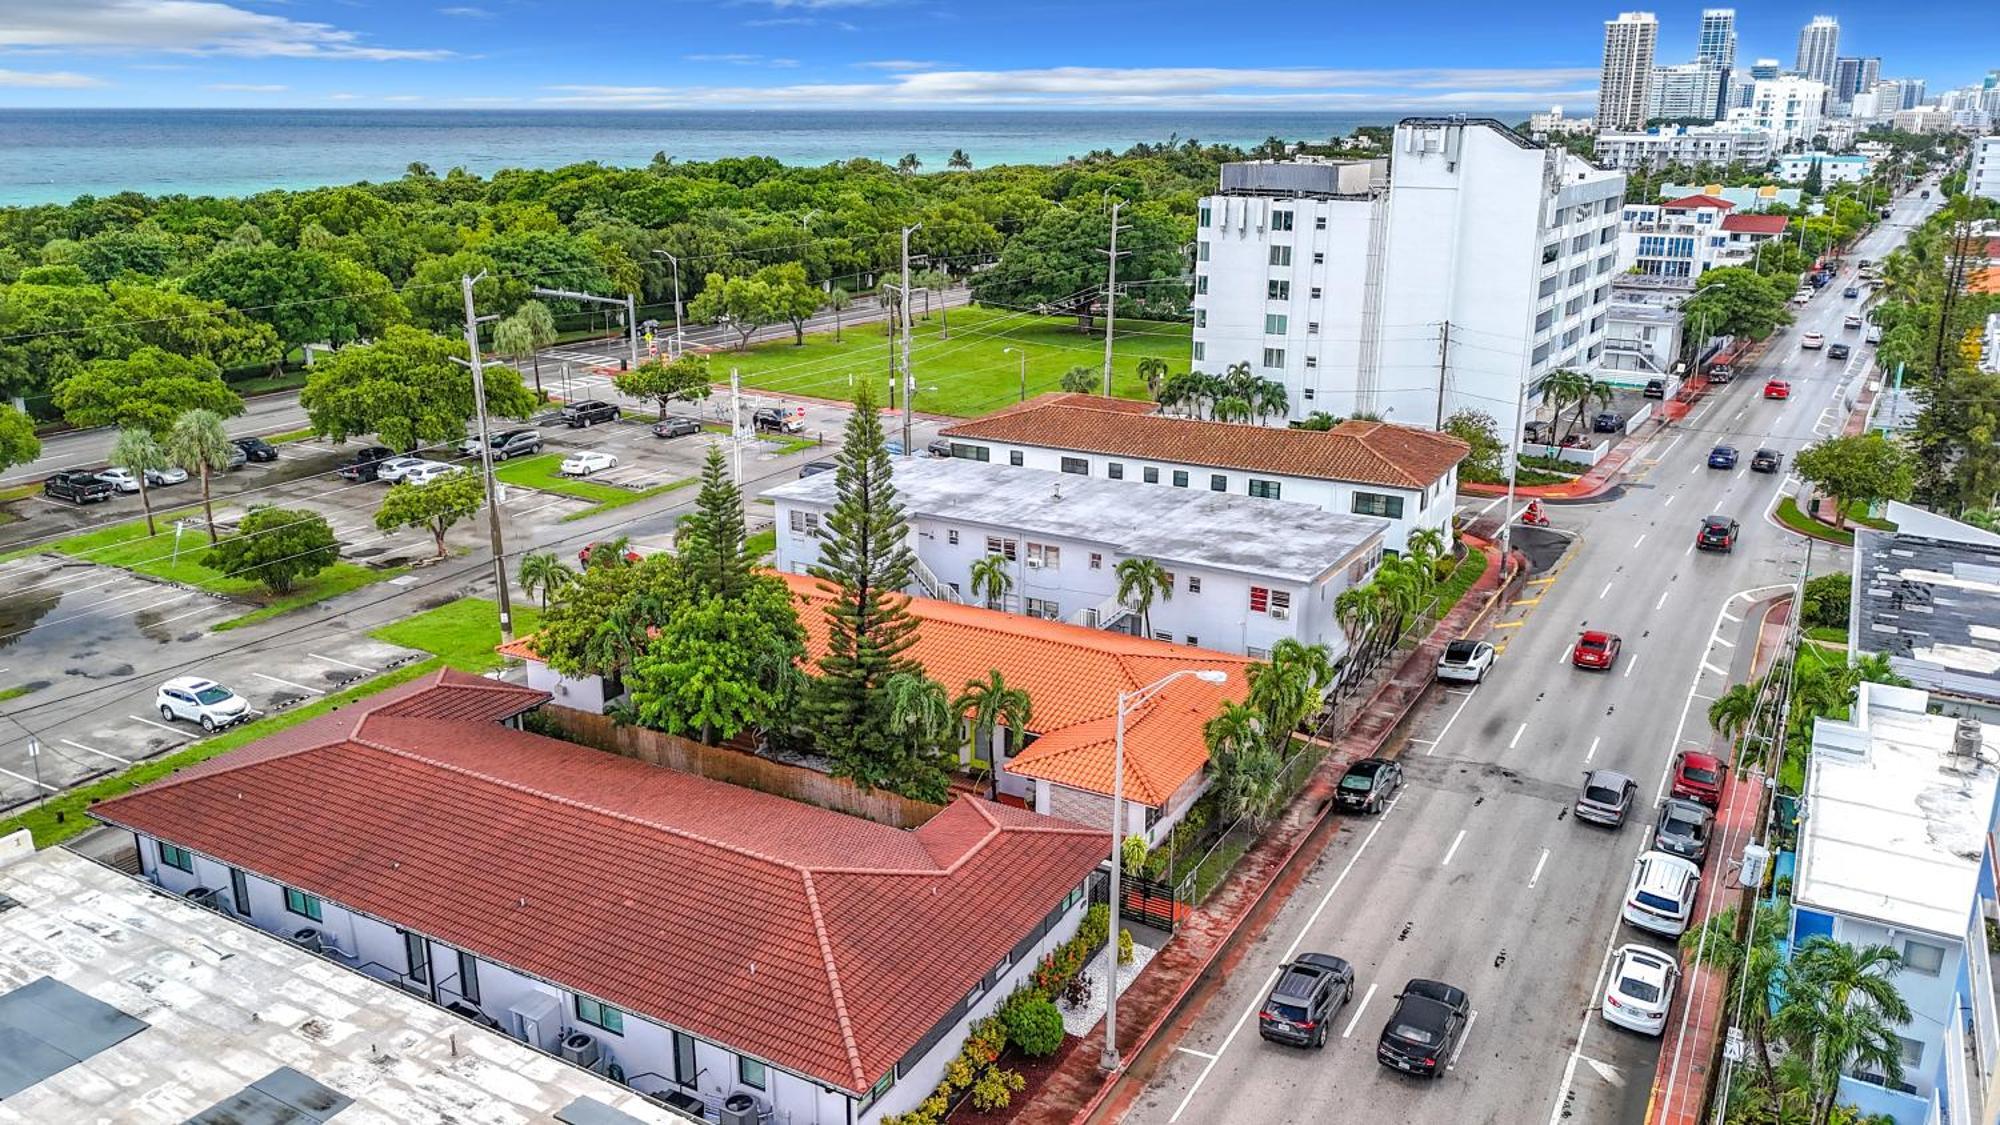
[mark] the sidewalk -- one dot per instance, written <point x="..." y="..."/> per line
<point x="1262" y="880"/>
<point x="1691" y="1046"/>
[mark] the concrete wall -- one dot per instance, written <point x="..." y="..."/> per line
<point x="1934" y="998"/>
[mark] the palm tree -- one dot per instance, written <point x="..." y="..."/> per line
<point x="921" y="710"/>
<point x="1247" y="770"/>
<point x="198" y="443"/>
<point x="1268" y="398"/>
<point x="838" y="299"/>
<point x="138" y="452"/>
<point x="526" y="333"/>
<point x="991" y="579"/>
<point x="1591" y="390"/>
<point x="1564" y="387"/>
<point x="543" y="574"/>
<point x="1841" y="1010"/>
<point x="1731" y="712"/>
<point x="1139" y="582"/>
<point x="1354" y="610"/>
<point x="958" y="161"/>
<point x="1232" y="408"/>
<point x="1289" y="686"/>
<point x="1874" y="669"/>
<point x="1715" y="943"/>
<point x="991" y="703"/>
<point x="1153" y="371"/>
<point x="1427" y="548"/>
<point x="1081" y="380"/>
<point x="908" y="163"/>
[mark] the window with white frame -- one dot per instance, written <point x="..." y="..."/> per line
<point x="1274" y="357"/>
<point x="1319" y="222"/>
<point x="1319" y="258"/>
<point x="600" y="1015"/>
<point x="1201" y="284"/>
<point x="1281" y="601"/>
<point x="178" y="858"/>
<point x="1200" y="317"/>
<point x="1205" y="216"/>
<point x="1005" y="548"/>
<point x="1044" y="555"/>
<point x="1096" y="561"/>
<point x="1922" y="957"/>
<point x="1275" y="323"/>
<point x="1199" y="350"/>
<point x="1315" y="292"/>
<point x="1194" y="583"/>
<point x="1045" y="608"/>
<point x="1311" y="361"/>
<point x="805" y="523"/>
<point x="1281" y="220"/>
<point x="752" y="1073"/>
<point x="1203" y="255"/>
<point x="1163" y="635"/>
<point x="1278" y="289"/>
<point x="1281" y="255"/>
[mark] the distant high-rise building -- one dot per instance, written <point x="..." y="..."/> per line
<point x="1765" y="68"/>
<point x="1871" y="73"/>
<point x="1913" y="93"/>
<point x="1743" y="84"/>
<point x="1717" y="45"/>
<point x="1819" y="46"/>
<point x="1685" y="91"/>
<point x="1846" y="79"/>
<point x="1628" y="67"/>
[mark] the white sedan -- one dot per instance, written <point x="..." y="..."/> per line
<point x="1812" y="340"/>
<point x="396" y="468"/>
<point x="1641" y="989"/>
<point x="584" y="464"/>
<point x="124" y="480"/>
<point x="428" y="472"/>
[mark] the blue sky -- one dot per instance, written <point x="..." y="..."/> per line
<point x="911" y="54"/>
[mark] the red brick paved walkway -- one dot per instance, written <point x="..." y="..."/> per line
<point x="1075" y="1089"/>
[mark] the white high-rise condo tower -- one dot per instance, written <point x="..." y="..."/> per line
<point x="1819" y="46"/>
<point x="1628" y="67"/>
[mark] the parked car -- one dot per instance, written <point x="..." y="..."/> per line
<point x="1837" y="351"/>
<point x="1873" y="335"/>
<point x="505" y="444"/>
<point x="237" y="458"/>
<point x="1465" y="661"/>
<point x="1596" y="650"/>
<point x="1368" y="784"/>
<point x="1655" y="388"/>
<point x="1777" y="388"/>
<point x="1606" y="797"/>
<point x="1641" y="989"/>
<point x="366" y="460"/>
<point x="587" y="462"/>
<point x="77" y="488"/>
<point x="583" y="556"/>
<point x="893" y="447"/>
<point x="1424" y="1029"/>
<point x="939" y="448"/>
<point x="1802" y="297"/>
<point x="1538" y="433"/>
<point x="1660" y="895"/>
<point x="679" y="425"/>
<point x="122" y="480"/>
<point x="589" y="412"/>
<point x="1608" y="422"/>
<point x="201" y="701"/>
<point x="1721" y="373"/>
<point x="1851" y="320"/>
<point x="256" y="448"/>
<point x="1310" y="992"/>
<point x="1718" y="533"/>
<point x="1766" y="461"/>
<point x="162" y="477"/>
<point x="1851" y="292"/>
<point x="1683" y="829"/>
<point x="1722" y="457"/>
<point x="779" y="420"/>
<point x="392" y="470"/>
<point x="1698" y="777"/>
<point x="1575" y="441"/>
<point x="428" y="472"/>
<point x="814" y="468"/>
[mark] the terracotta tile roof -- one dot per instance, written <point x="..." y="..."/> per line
<point x="1072" y="676"/>
<point x="1754" y="224"/>
<point x="1687" y="201"/>
<point x="1983" y="281"/>
<point x="1362" y="452"/>
<point x="821" y="943"/>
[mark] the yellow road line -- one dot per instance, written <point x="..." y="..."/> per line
<point x="1508" y="624"/>
<point x="1527" y="601"/>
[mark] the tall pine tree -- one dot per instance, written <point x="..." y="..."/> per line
<point x="866" y="555"/>
<point x="711" y="543"/>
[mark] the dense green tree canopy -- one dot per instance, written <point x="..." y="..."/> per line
<point x="148" y="390"/>
<point x="406" y="389"/>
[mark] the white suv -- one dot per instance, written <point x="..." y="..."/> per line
<point x="1661" y="895"/>
<point x="201" y="701"/>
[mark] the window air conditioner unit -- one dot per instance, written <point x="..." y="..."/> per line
<point x="206" y="896"/>
<point x="1034" y="564"/>
<point x="1281" y="614"/>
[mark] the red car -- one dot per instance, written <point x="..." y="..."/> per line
<point x="1698" y="777"/>
<point x="1777" y="388"/>
<point x="1595" y="650"/>
<point x="583" y="556"/>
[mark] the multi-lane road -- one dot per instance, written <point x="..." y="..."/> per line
<point x="1477" y="875"/>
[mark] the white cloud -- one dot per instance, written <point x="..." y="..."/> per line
<point x="1135" y="88"/>
<point x="47" y="79"/>
<point x="246" y="87"/>
<point x="466" y="11"/>
<point x="734" y="58"/>
<point x="898" y="64"/>
<point x="207" y="27"/>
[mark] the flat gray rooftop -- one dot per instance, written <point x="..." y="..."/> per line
<point x="1271" y="538"/>
<point x="227" y="1023"/>
<point x="1933" y="606"/>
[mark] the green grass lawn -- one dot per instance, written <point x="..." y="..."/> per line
<point x="763" y="543"/>
<point x="970" y="372"/>
<point x="540" y="472"/>
<point x="66" y="814"/>
<point x="463" y="633"/>
<point x="1828" y="635"/>
<point x="1789" y="514"/>
<point x="292" y="435"/>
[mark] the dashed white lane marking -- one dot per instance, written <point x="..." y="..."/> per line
<point x="1358" y="1009"/>
<point x="95" y="750"/>
<point x="1534" y="878"/>
<point x="1197" y="1054"/>
<point x="288" y="683"/>
<point x="1629" y="665"/>
<point x="1641" y="539"/>
<point x="1670" y="500"/>
<point x="1516" y="740"/>
<point x="1453" y="850"/>
<point x="1470" y="1020"/>
<point x="342" y="663"/>
<point x="1592" y="752"/>
<point x="175" y="731"/>
<point x="1606" y="590"/>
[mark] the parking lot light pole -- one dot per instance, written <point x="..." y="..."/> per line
<point x="486" y="464"/>
<point x="1128" y="701"/>
<point x="676" y="263"/>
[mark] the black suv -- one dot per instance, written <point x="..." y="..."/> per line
<point x="1718" y="533"/>
<point x="77" y="488"/>
<point x="1609" y="422"/>
<point x="365" y="462"/>
<point x="1655" y="388"/>
<point x="256" y="448"/>
<point x="1309" y="993"/>
<point x="1425" y="1028"/>
<point x="589" y="412"/>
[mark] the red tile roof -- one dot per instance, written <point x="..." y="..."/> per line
<point x="1072" y="676"/>
<point x="1754" y="224"/>
<point x="824" y="944"/>
<point x="1687" y="201"/>
<point x="1363" y="452"/>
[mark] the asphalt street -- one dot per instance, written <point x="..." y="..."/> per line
<point x="1477" y="875"/>
<point x="280" y="413"/>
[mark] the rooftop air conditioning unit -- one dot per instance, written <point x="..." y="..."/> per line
<point x="741" y="1109"/>
<point x="310" y="940"/>
<point x="206" y="896"/>
<point x="580" y="1049"/>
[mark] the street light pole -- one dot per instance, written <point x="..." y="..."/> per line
<point x="486" y="464"/>
<point x="676" y="263"/>
<point x="909" y="383"/>
<point x="1024" y="370"/>
<point x="1128" y="701"/>
<point x="1111" y="297"/>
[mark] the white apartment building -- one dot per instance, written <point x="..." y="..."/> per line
<point x="1245" y="574"/>
<point x="1628" y="67"/>
<point x="1555" y="123"/>
<point x="1819" y="49"/>
<point x="1683" y="90"/>
<point x="1642" y="334"/>
<point x="1788" y="107"/>
<point x="1482" y="266"/>
<point x="1983" y="174"/>
<point x="1690" y="236"/>
<point x="1832" y="169"/>
<point x="1654" y="149"/>
<point x="1717" y="43"/>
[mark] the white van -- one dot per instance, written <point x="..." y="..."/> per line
<point x="1662" y="892"/>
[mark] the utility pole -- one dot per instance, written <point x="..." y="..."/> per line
<point x="675" y="351"/>
<point x="1444" y="352"/>
<point x="909" y="383"/>
<point x="736" y="426"/>
<point x="632" y="328"/>
<point x="486" y="464"/>
<point x="1111" y="296"/>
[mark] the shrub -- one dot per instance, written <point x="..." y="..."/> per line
<point x="1134" y="849"/>
<point x="1033" y="1025"/>
<point x="1095" y="928"/>
<point x="996" y="1088"/>
<point x="1826" y="602"/>
<point x="1077" y="990"/>
<point x="1124" y="947"/>
<point x="958" y="1073"/>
